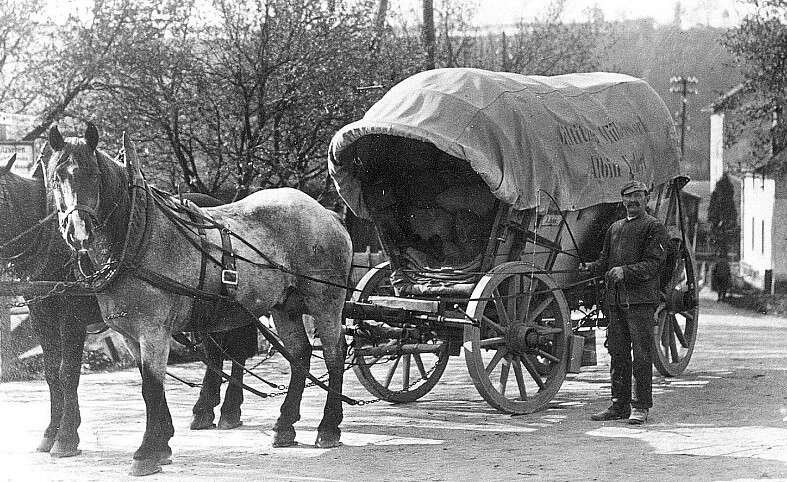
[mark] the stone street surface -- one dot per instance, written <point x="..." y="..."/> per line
<point x="724" y="419"/>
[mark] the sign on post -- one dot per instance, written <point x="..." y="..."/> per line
<point x="25" y="155"/>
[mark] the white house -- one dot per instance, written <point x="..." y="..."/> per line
<point x="763" y="206"/>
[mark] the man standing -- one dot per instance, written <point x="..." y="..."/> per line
<point x="634" y="250"/>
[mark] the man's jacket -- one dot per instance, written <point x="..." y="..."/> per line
<point x="640" y="247"/>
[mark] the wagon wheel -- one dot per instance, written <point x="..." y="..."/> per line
<point x="523" y="316"/>
<point x="396" y="378"/>
<point x="675" y="323"/>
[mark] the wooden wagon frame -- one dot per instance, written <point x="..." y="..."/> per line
<point x="487" y="190"/>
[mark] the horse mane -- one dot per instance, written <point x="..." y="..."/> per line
<point x="115" y="203"/>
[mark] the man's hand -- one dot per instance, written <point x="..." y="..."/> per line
<point x="615" y="274"/>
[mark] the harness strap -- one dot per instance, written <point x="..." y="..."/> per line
<point x="169" y="284"/>
<point x="274" y="340"/>
<point x="183" y="340"/>
<point x="229" y="273"/>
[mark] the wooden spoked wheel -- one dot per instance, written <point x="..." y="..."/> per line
<point x="675" y="324"/>
<point x="393" y="369"/>
<point x="518" y="355"/>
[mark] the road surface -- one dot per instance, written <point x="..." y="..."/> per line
<point x="725" y="419"/>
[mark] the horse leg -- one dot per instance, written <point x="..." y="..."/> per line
<point x="209" y="394"/>
<point x="233" y="398"/>
<point x="334" y="350"/>
<point x="240" y="345"/>
<point x="151" y="356"/>
<point x="289" y="327"/>
<point x="72" y="334"/>
<point x="48" y="332"/>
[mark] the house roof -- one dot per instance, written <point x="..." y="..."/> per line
<point x="723" y="102"/>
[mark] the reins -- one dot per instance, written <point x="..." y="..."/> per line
<point x="38" y="226"/>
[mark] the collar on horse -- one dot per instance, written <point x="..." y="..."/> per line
<point x="144" y="200"/>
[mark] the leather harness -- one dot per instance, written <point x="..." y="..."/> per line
<point x="207" y="306"/>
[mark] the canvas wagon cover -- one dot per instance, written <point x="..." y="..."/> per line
<point x="578" y="137"/>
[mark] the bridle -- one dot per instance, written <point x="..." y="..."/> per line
<point x="91" y="211"/>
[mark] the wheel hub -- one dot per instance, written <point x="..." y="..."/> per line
<point x="521" y="338"/>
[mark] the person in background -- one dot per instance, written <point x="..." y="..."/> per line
<point x="720" y="278"/>
<point x="634" y="250"/>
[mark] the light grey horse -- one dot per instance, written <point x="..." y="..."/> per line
<point x="293" y="258"/>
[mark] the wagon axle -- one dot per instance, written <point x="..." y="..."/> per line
<point x="521" y="338"/>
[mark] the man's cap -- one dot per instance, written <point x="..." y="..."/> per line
<point x="633" y="186"/>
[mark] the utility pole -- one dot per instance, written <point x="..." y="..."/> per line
<point x="684" y="86"/>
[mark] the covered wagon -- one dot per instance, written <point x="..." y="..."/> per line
<point x="487" y="191"/>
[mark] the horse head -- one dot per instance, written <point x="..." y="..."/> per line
<point x="74" y="176"/>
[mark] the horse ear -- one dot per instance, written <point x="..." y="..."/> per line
<point x="7" y="168"/>
<point x="91" y="136"/>
<point x="130" y="158"/>
<point x="55" y="139"/>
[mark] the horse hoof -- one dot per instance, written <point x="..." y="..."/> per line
<point x="164" y="457"/>
<point x="284" y="439"/>
<point x="230" y="421"/>
<point x="62" y="449"/>
<point x="140" y="467"/>
<point x="325" y="441"/>
<point x="202" y="421"/>
<point x="46" y="444"/>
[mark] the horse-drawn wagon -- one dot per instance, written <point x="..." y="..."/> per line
<point x="487" y="191"/>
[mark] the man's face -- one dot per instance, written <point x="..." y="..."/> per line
<point x="635" y="203"/>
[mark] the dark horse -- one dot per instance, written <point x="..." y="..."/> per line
<point x="293" y="258"/>
<point x="35" y="251"/>
<point x="31" y="247"/>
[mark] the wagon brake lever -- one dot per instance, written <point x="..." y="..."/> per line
<point x="472" y="320"/>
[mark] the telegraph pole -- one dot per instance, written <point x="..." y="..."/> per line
<point x="684" y="86"/>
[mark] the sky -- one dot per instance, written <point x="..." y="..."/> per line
<point x="717" y="13"/>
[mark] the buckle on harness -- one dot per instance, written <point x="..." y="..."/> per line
<point x="229" y="277"/>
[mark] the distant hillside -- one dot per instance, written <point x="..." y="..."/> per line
<point x="658" y="53"/>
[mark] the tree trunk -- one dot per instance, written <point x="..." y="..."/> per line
<point x="379" y="25"/>
<point x="429" y="34"/>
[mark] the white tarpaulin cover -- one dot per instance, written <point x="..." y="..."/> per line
<point x="578" y="137"/>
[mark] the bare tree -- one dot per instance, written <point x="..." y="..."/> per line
<point x="61" y="63"/>
<point x="759" y="44"/>
<point x="249" y="100"/>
